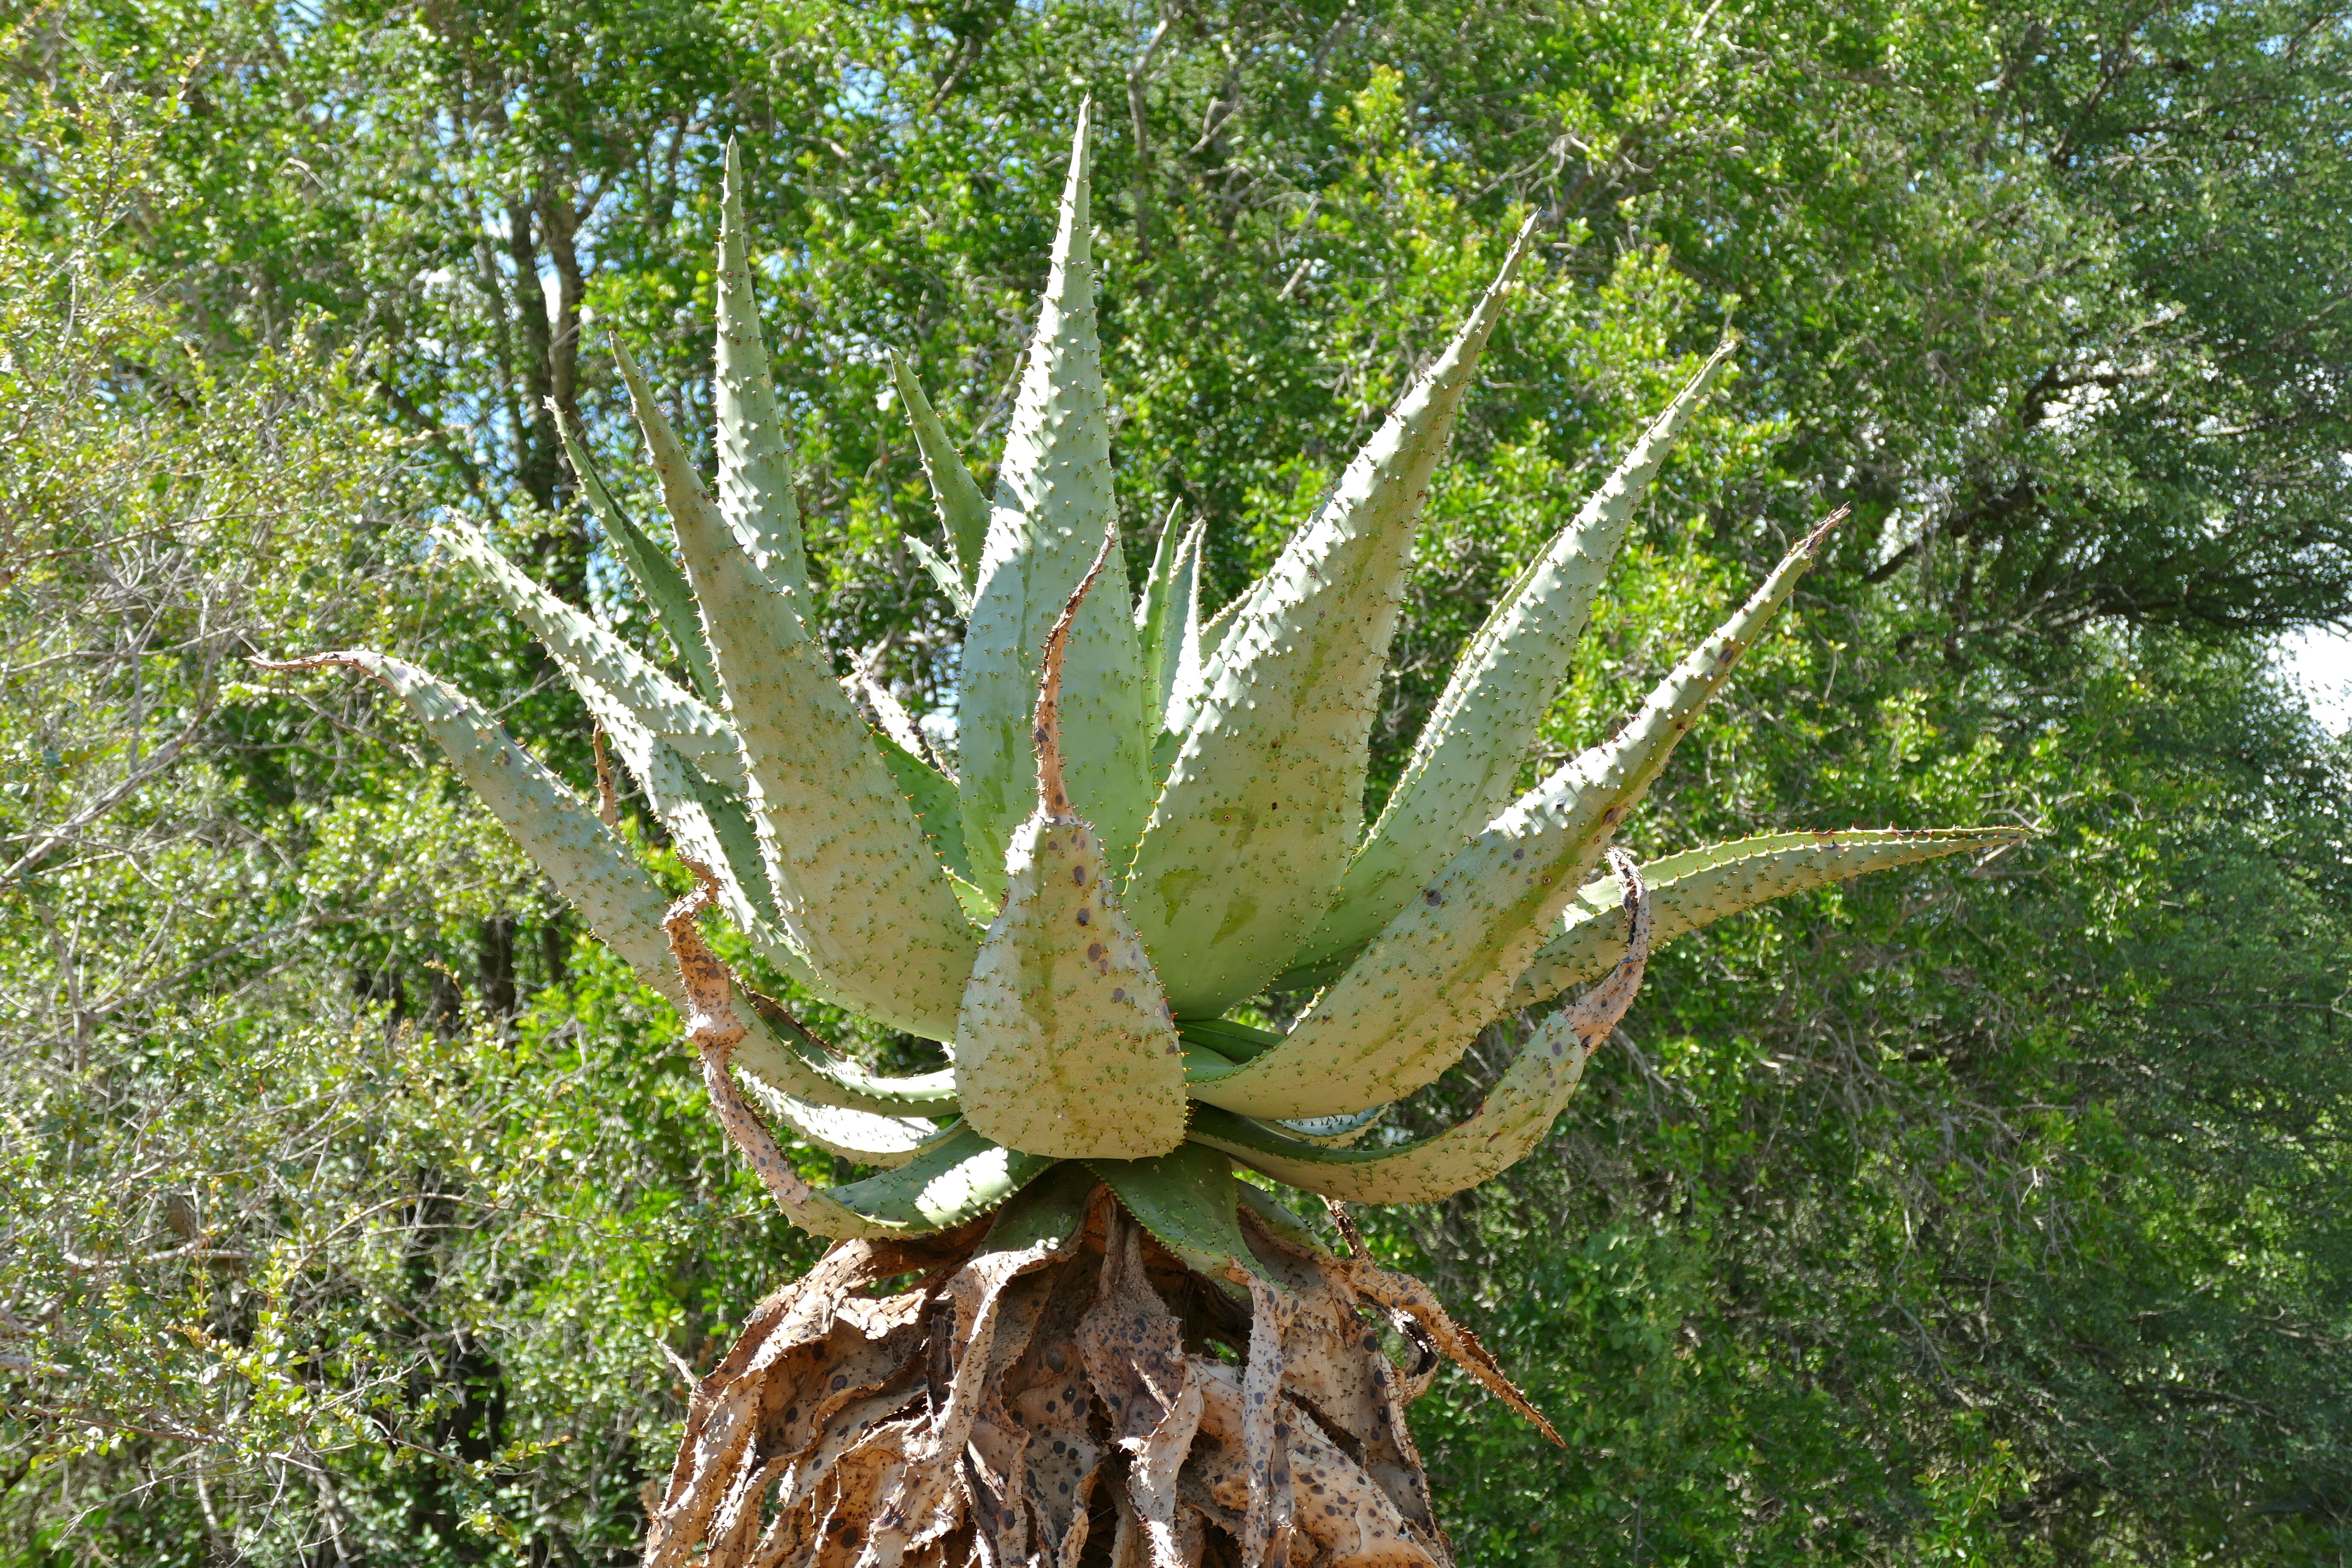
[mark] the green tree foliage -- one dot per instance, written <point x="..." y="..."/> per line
<point x="355" y="1212"/>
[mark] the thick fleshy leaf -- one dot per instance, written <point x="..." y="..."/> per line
<point x="1052" y="1209"/>
<point x="1065" y="1043"/>
<point x="1230" y="1039"/>
<point x="931" y="794"/>
<point x="1334" y="1131"/>
<point x="1167" y="619"/>
<point x="594" y="869"/>
<point x="1054" y="507"/>
<point x="942" y="573"/>
<point x="586" y="651"/>
<point x="1189" y="1200"/>
<point x="1463" y="768"/>
<point x="1441" y="968"/>
<point x="1065" y="1046"/>
<point x="963" y="511"/>
<point x="755" y="465"/>
<point x="1185" y="662"/>
<point x="1512" y="1120"/>
<point x="708" y="826"/>
<point x="1264" y="802"/>
<point x="649" y="565"/>
<point x="858" y="890"/>
<point x="957" y="1175"/>
<point x="1700" y="887"/>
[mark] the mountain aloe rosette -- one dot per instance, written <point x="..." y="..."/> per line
<point x="1153" y="819"/>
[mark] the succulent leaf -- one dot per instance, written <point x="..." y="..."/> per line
<point x="1461" y="772"/>
<point x="707" y="825"/>
<point x="1054" y="508"/>
<point x="1700" y="887"/>
<point x="593" y="868"/>
<point x="588" y="653"/>
<point x="1441" y="968"/>
<point x="658" y="576"/>
<point x="1264" y="802"/>
<point x="957" y="1175"/>
<point x="859" y="891"/>
<point x="1189" y="1200"/>
<point x="963" y="511"/>
<point x="859" y="1136"/>
<point x="1513" y="1119"/>
<point x="1182" y="661"/>
<point x="931" y="794"/>
<point x="1167" y="624"/>
<point x="755" y="465"/>
<point x="1065" y="1045"/>
<point x="1053" y="1208"/>
<point x="942" y="572"/>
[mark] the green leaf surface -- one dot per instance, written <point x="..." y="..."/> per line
<point x="1516" y="1115"/>
<point x="963" y="511"/>
<point x="1265" y="800"/>
<point x="1442" y="967"/>
<point x="595" y="871"/>
<point x="942" y="573"/>
<point x="1510" y="1122"/>
<point x="649" y="565"/>
<point x="932" y="795"/>
<point x="1463" y="768"/>
<point x="1188" y="1200"/>
<point x="1700" y="887"/>
<point x="1052" y="1208"/>
<point x="755" y="465"/>
<point x="1167" y="622"/>
<point x="859" y="889"/>
<point x="954" y="1178"/>
<point x="1054" y="507"/>
<point x="1065" y="1045"/>
<point x="587" y="652"/>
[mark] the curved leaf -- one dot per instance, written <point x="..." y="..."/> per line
<point x="1512" y="1120"/>
<point x="1441" y="968"/>
<point x="594" y="869"/>
<point x="1051" y="1209"/>
<point x="1189" y="1200"/>
<point x="956" y="1176"/>
<point x="1262" y="806"/>
<point x="1462" y="769"/>
<point x="649" y="564"/>
<point x="586" y="651"/>
<point x="1700" y="887"/>
<point x="963" y="511"/>
<point x="942" y="573"/>
<point x="857" y="889"/>
<point x="932" y="795"/>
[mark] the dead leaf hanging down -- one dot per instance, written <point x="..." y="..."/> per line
<point x="1063" y="1402"/>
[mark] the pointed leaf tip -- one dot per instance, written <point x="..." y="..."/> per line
<point x="1513" y="1118"/>
<point x="962" y="509"/>
<point x="1055" y="501"/>
<point x="1263" y="804"/>
<point x="1065" y="1045"/>
<point x="1465" y="763"/>
<point x="1442" y="966"/>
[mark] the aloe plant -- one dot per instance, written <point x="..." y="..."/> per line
<point x="1154" y="819"/>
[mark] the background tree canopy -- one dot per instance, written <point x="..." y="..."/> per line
<point x="356" y="1209"/>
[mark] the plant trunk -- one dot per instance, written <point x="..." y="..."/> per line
<point x="1080" y="1401"/>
